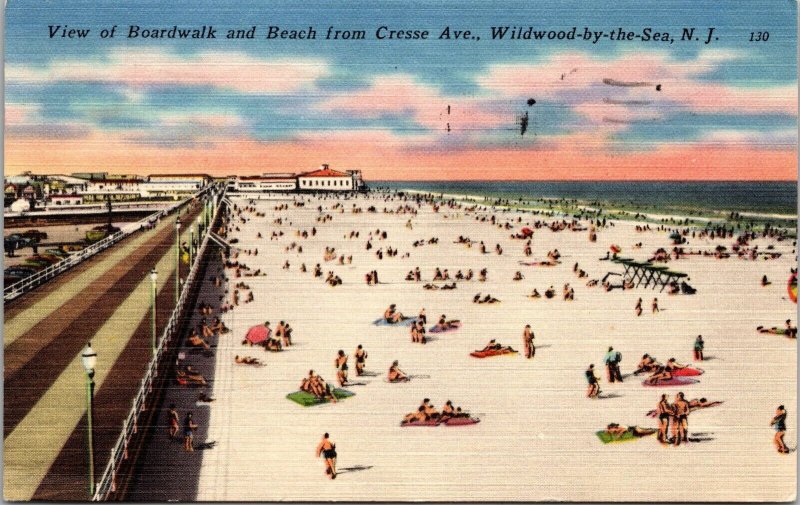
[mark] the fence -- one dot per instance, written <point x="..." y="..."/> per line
<point x="119" y="453"/>
<point x="28" y="283"/>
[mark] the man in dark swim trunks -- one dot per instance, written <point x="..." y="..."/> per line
<point x="680" y="419"/>
<point x="594" y="387"/>
<point x="664" y="412"/>
<point x="361" y="359"/>
<point x="327" y="449"/>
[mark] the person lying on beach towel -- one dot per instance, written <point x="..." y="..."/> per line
<point x="397" y="375"/>
<point x="788" y="330"/>
<point x="664" y="373"/>
<point x="646" y="365"/>
<point x="617" y="433"/>
<point x="444" y="324"/>
<point x="486" y="299"/>
<point x="496" y="346"/>
<point x="392" y="316"/>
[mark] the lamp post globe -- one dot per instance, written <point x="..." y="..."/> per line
<point x="89" y="359"/>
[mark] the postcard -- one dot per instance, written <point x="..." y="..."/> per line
<point x="387" y="251"/>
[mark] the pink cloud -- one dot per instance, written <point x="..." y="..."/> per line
<point x="577" y="79"/>
<point x="402" y="94"/>
<point x="140" y="68"/>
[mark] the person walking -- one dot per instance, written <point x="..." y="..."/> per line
<point x="327" y="449"/>
<point x="174" y="421"/>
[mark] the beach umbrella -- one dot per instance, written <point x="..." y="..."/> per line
<point x="792" y="287"/>
<point x="527" y="232"/>
<point x="257" y="334"/>
<point x="615" y="249"/>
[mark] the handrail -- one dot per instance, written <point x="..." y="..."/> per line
<point x="24" y="285"/>
<point x="119" y="453"/>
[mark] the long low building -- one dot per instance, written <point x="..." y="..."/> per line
<point x="323" y="179"/>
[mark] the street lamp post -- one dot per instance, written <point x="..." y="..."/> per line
<point x="89" y="360"/>
<point x="191" y="245"/>
<point x="177" y="260"/>
<point x="153" y="278"/>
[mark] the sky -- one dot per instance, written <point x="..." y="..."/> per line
<point x="405" y="109"/>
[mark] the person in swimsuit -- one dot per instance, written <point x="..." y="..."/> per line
<point x="594" y="386"/>
<point x="392" y="316"/>
<point x="395" y="374"/>
<point x="664" y="412"/>
<point x="341" y="367"/>
<point x="361" y="360"/>
<point x="422" y="316"/>
<point x="431" y="412"/>
<point x="327" y="449"/>
<point x="647" y="364"/>
<point x="617" y="431"/>
<point x="680" y="419"/>
<point x="188" y="432"/>
<point x="779" y="422"/>
<point x="496" y="346"/>
<point x="174" y="423"/>
<point x="698" y="348"/>
<point x="415" y="417"/>
<point x="527" y="340"/>
<point x="421" y="333"/>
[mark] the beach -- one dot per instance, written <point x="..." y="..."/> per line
<point x="536" y="436"/>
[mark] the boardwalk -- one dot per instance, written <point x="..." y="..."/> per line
<point x="106" y="300"/>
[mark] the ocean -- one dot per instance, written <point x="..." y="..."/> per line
<point x="665" y="197"/>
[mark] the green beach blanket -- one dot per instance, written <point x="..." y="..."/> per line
<point x="607" y="438"/>
<point x="308" y="400"/>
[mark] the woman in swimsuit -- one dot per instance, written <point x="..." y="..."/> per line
<point x="341" y="366"/>
<point x="779" y="422"/>
<point x="395" y="374"/>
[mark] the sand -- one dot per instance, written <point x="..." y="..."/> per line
<point x="536" y="439"/>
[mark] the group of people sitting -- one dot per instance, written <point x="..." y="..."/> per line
<point x="427" y="412"/>
<point x="658" y="371"/>
<point x="317" y="386"/>
<point x="486" y="299"/>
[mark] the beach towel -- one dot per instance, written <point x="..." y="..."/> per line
<point x="608" y="438"/>
<point x="405" y="322"/>
<point x="688" y="371"/>
<point x="488" y="354"/>
<point x="306" y="399"/>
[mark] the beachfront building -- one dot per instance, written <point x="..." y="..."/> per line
<point x="266" y="182"/>
<point x="323" y="179"/>
<point x="327" y="179"/>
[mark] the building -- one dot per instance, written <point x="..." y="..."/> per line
<point x="98" y="190"/>
<point x="66" y="199"/>
<point x="326" y="179"/>
<point x="323" y="179"/>
<point x="266" y="182"/>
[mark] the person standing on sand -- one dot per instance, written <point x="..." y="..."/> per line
<point x="341" y="366"/>
<point x="527" y="340"/>
<point x="361" y="359"/>
<point x="327" y="449"/>
<point x="779" y="422"/>
<point x="698" y="348"/>
<point x="638" y="308"/>
<point x="655" y="305"/>
<point x="612" y="360"/>
<point x="680" y="419"/>
<point x="664" y="412"/>
<point x="594" y="386"/>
